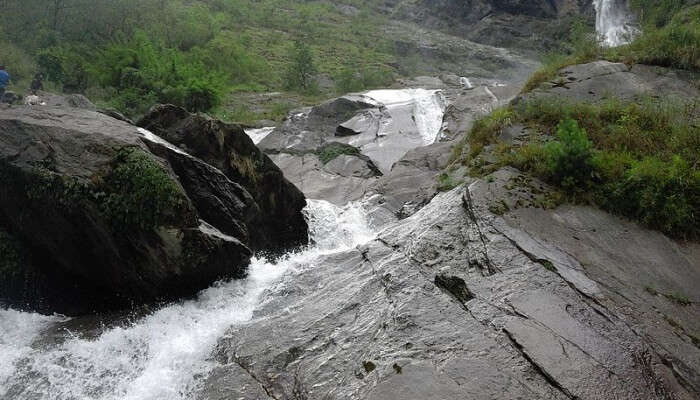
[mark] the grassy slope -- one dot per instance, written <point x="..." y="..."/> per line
<point x="230" y="45"/>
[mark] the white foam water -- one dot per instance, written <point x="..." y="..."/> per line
<point x="614" y="22"/>
<point x="428" y="111"/>
<point x="167" y="354"/>
<point x="257" y="135"/>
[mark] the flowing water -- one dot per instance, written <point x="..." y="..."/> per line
<point x="426" y="108"/>
<point x="164" y="355"/>
<point x="614" y="22"/>
<point x="259" y="134"/>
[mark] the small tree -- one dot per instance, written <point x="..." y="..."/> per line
<point x="570" y="159"/>
<point x="302" y="70"/>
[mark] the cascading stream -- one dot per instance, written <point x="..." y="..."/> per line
<point x="614" y="22"/>
<point x="167" y="354"/>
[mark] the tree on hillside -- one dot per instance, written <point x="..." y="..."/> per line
<point x="301" y="72"/>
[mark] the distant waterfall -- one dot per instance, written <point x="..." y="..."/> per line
<point x="614" y="22"/>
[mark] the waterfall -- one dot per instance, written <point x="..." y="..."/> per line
<point x="614" y="22"/>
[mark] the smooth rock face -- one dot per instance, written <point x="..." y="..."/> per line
<point x="276" y="224"/>
<point x="456" y="302"/>
<point x="79" y="254"/>
<point x="602" y="79"/>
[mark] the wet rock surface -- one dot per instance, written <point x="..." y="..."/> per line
<point x="456" y="301"/>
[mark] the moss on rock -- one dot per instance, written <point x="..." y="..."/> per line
<point x="138" y="193"/>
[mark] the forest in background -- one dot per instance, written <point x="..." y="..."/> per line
<point x="130" y="54"/>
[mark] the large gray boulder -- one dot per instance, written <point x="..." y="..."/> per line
<point x="95" y="216"/>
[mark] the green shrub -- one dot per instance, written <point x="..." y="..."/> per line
<point x="483" y="133"/>
<point x="446" y="182"/>
<point x="570" y="159"/>
<point x="662" y="195"/>
<point x="301" y="72"/>
<point x="675" y="45"/>
<point x="200" y="96"/>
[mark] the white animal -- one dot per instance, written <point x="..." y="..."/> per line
<point x="32" y="100"/>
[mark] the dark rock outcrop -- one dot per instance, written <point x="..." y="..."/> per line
<point x="94" y="216"/>
<point x="537" y="24"/>
<point x="276" y="223"/>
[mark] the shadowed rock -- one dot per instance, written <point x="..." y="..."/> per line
<point x="278" y="225"/>
<point x="96" y="221"/>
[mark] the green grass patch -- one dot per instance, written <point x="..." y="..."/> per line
<point x="670" y="35"/>
<point x="482" y="134"/>
<point x="331" y="151"/>
<point x="639" y="160"/>
<point x="446" y="182"/>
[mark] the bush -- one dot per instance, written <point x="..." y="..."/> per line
<point x="301" y="72"/>
<point x="675" y="45"/>
<point x="662" y="195"/>
<point x="570" y="159"/>
<point x="200" y="96"/>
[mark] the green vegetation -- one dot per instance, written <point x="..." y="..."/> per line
<point x="139" y="194"/>
<point x="639" y="160"/>
<point x="129" y="54"/>
<point x="671" y="34"/>
<point x="302" y="70"/>
<point x="331" y="151"/>
<point x="548" y="265"/>
<point x="446" y="182"/>
<point x="581" y="46"/>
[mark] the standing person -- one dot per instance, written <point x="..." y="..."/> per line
<point x="37" y="83"/>
<point x="4" y="81"/>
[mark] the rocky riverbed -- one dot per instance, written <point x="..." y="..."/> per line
<point x="404" y="292"/>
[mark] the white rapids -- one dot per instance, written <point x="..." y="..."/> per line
<point x="427" y="108"/>
<point x="614" y="22"/>
<point x="257" y="135"/>
<point x="410" y="118"/>
<point x="168" y="354"/>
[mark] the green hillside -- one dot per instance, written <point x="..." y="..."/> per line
<point x="129" y="54"/>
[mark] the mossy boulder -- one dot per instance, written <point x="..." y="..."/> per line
<point x="91" y="219"/>
<point x="277" y="224"/>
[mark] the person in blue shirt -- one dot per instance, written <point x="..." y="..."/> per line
<point x="4" y="81"/>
